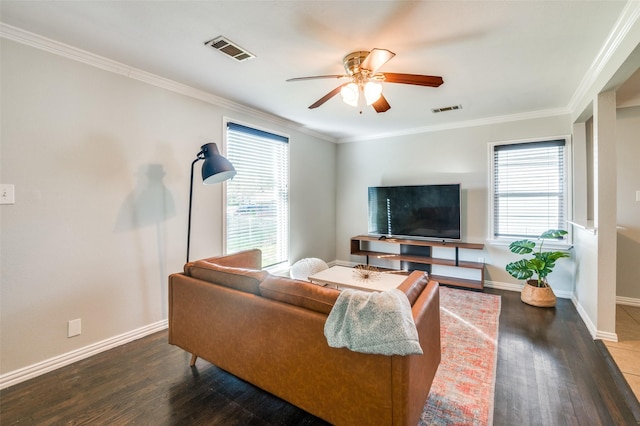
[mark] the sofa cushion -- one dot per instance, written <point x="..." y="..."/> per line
<point x="247" y="280"/>
<point x="299" y="293"/>
<point x="413" y="285"/>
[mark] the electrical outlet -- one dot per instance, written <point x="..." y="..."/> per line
<point x="638" y="195"/>
<point x="74" y="327"/>
<point x="7" y="194"/>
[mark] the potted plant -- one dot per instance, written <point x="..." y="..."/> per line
<point x="536" y="292"/>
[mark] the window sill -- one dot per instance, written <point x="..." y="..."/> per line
<point x="281" y="269"/>
<point x="547" y="244"/>
<point x="588" y="226"/>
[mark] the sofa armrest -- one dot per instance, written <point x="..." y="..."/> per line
<point x="248" y="259"/>
<point x="414" y="373"/>
<point x="414" y="285"/>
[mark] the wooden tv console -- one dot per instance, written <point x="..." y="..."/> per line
<point x="423" y="256"/>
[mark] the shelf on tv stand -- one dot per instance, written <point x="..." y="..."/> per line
<point x="356" y="250"/>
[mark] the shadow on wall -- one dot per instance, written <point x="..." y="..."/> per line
<point x="150" y="203"/>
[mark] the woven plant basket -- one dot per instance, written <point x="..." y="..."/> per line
<point x="542" y="297"/>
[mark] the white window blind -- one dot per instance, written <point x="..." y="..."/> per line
<point x="257" y="209"/>
<point x="529" y="194"/>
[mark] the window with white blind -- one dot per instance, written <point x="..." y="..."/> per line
<point x="529" y="188"/>
<point x="257" y="199"/>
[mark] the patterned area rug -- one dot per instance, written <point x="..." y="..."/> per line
<point x="463" y="389"/>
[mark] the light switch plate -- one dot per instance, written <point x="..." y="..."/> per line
<point x="7" y="193"/>
<point x="74" y="327"/>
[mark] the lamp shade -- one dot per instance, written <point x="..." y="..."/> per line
<point x="349" y="94"/>
<point x="372" y="92"/>
<point x="215" y="168"/>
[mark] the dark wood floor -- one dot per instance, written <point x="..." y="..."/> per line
<point x="549" y="372"/>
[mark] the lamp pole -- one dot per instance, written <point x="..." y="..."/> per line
<point x="191" y="203"/>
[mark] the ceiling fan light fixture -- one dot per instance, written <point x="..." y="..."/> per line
<point x="362" y="69"/>
<point x="350" y="94"/>
<point x="372" y="91"/>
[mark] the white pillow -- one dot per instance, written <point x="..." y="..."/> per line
<point x="303" y="268"/>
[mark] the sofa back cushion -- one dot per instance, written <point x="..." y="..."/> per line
<point x="247" y="280"/>
<point x="299" y="293"/>
<point x="413" y="285"/>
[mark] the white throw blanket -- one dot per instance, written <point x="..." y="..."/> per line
<point x="373" y="322"/>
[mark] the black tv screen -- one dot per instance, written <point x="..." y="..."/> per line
<point x="427" y="211"/>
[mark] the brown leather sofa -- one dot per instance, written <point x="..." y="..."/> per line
<point x="269" y="331"/>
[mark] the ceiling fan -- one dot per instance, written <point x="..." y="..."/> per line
<point x="361" y="69"/>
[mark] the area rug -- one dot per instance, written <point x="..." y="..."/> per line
<point x="463" y="388"/>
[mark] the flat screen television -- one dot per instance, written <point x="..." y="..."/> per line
<point x="423" y="211"/>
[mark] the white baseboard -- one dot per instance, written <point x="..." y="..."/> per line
<point x="599" y="334"/>
<point x="628" y="301"/>
<point x="18" y="376"/>
<point x="595" y="333"/>
<point x="518" y="287"/>
<point x="591" y="327"/>
<point x="502" y="286"/>
<point x="604" y="335"/>
<point x="342" y="263"/>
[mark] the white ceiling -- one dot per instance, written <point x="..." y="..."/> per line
<point x="497" y="58"/>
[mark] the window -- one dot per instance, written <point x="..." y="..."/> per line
<point x="257" y="199"/>
<point x="529" y="188"/>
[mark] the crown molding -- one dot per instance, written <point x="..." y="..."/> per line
<point x="463" y="124"/>
<point x="625" y="23"/>
<point x="19" y="35"/>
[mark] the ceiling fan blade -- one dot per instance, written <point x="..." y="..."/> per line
<point x="416" y="79"/>
<point x="381" y="105"/>
<point x="316" y="77"/>
<point x="376" y="58"/>
<point x="326" y="97"/>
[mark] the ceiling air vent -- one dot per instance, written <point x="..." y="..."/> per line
<point x="444" y="109"/>
<point x="229" y="48"/>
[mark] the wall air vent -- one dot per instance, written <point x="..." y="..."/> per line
<point x="229" y="48"/>
<point x="444" y="109"/>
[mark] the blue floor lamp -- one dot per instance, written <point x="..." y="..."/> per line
<point x="215" y="169"/>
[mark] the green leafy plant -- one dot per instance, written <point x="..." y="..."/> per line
<point x="542" y="262"/>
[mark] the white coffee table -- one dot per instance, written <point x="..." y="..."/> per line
<point x="344" y="277"/>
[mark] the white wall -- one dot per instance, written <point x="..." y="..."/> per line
<point x="606" y="259"/>
<point x="101" y="168"/>
<point x="100" y="164"/>
<point x="628" y="150"/>
<point x="604" y="202"/>
<point x="586" y="264"/>
<point x="451" y="156"/>
<point x="595" y="294"/>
